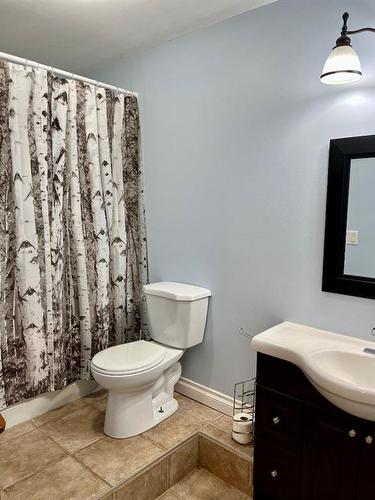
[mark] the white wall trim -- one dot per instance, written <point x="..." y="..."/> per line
<point x="205" y="395"/>
<point x="34" y="407"/>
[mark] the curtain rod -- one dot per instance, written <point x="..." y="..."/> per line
<point x="60" y="72"/>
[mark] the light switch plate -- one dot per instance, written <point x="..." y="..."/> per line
<point x="351" y="237"/>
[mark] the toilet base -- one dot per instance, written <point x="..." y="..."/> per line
<point x="168" y="409"/>
<point x="130" y="414"/>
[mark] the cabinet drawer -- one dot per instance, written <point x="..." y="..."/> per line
<point x="278" y="419"/>
<point x="276" y="473"/>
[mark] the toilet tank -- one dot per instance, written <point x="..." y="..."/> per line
<point x="177" y="313"/>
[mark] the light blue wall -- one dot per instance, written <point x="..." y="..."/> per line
<point x="236" y="127"/>
<point x="360" y="259"/>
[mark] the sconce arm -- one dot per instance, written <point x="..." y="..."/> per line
<point x="354" y="32"/>
<point x="344" y="38"/>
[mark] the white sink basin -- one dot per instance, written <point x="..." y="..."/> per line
<point x="336" y="365"/>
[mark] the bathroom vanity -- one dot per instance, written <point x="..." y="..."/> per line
<point x="306" y="448"/>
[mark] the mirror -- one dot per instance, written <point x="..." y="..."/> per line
<point x="349" y="247"/>
<point x="360" y="221"/>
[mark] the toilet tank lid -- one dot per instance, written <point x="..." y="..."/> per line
<point x="176" y="291"/>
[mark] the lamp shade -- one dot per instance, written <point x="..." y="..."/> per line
<point x="342" y="66"/>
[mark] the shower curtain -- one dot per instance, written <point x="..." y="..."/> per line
<point x="72" y="235"/>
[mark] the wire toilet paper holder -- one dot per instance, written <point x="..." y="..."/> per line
<point x="244" y="401"/>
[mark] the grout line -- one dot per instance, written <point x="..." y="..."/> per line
<point x="142" y="470"/>
<point x="149" y="440"/>
<point x="218" y="418"/>
<point x="64" y="450"/>
<point x="169" y="450"/>
<point x="57" y="419"/>
<point x="18" y="436"/>
<point x="230" y="486"/>
<point x="123" y="482"/>
<point x="72" y="452"/>
<point x="28" y="476"/>
<point x="180" y="481"/>
<point x="110" y="487"/>
<point x="169" y="490"/>
<point x="233" y="450"/>
<point x="68" y="452"/>
<point x="148" y="466"/>
<point x="168" y="471"/>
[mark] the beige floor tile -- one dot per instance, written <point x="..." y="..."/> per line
<point x="100" y="404"/>
<point x="77" y="430"/>
<point x="98" y="399"/>
<point x="226" y="464"/>
<point x="96" y="396"/>
<point x="61" y="412"/>
<point x="117" y="459"/>
<point x="186" y="421"/>
<point x="183" y="460"/>
<point x="64" y="480"/>
<point x="168" y="495"/>
<point x="16" y="430"/>
<point x="172" y="431"/>
<point x="200" y="485"/>
<point x="147" y="486"/>
<point x="246" y="451"/>
<point x="201" y="411"/>
<point x="224" y="423"/>
<point x="25" y="455"/>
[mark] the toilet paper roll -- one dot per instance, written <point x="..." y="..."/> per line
<point x="242" y="422"/>
<point x="242" y="438"/>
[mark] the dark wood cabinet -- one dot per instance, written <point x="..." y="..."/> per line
<point x="329" y="459"/>
<point x="306" y="448"/>
<point x="366" y="469"/>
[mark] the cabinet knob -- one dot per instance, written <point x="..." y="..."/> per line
<point x="368" y="439"/>
<point x="352" y="433"/>
<point x="275" y="420"/>
<point x="274" y="473"/>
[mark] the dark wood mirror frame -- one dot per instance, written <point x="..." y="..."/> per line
<point x="341" y="152"/>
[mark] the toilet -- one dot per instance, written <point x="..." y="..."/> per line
<point x="140" y="376"/>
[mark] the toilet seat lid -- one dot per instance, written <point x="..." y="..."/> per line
<point x="129" y="358"/>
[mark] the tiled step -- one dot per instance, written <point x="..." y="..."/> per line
<point x="64" y="454"/>
<point x="202" y="485"/>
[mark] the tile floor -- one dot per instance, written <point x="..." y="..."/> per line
<point x="199" y="485"/>
<point x="64" y="455"/>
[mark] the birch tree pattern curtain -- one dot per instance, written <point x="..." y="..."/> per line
<point x="72" y="236"/>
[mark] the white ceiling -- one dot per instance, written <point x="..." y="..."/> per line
<point x="78" y="35"/>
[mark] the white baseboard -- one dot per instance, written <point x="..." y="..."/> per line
<point x="205" y="395"/>
<point x="34" y="407"/>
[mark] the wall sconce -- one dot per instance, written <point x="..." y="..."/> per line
<point x="343" y="65"/>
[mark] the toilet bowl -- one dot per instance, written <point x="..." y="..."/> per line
<point x="140" y="379"/>
<point x="140" y="376"/>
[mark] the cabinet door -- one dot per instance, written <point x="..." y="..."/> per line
<point x="330" y="456"/>
<point x="366" y="482"/>
<point x="278" y="420"/>
<point x="276" y="473"/>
